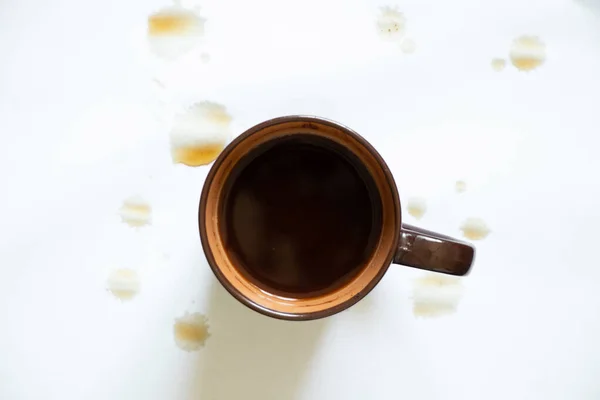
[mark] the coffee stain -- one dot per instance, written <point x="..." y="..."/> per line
<point x="416" y="206"/>
<point x="436" y="295"/>
<point x="172" y="22"/>
<point x="408" y="46"/>
<point x="136" y="212"/>
<point x="498" y="64"/>
<point x="199" y="134"/>
<point x="191" y="331"/>
<point x="475" y="229"/>
<point x="527" y="53"/>
<point x="460" y="186"/>
<point x="195" y="156"/>
<point x="391" y="23"/>
<point x="123" y="283"/>
<point x="174" y="31"/>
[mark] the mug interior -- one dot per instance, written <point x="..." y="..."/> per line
<point x="265" y="297"/>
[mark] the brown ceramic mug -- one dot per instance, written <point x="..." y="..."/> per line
<point x="300" y="218"/>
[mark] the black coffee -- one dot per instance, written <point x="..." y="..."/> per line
<point x="299" y="217"/>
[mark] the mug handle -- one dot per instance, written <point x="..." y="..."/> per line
<point x="423" y="249"/>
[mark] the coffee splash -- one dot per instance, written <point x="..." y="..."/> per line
<point x="498" y="64"/>
<point x="527" y="53"/>
<point x="417" y="207"/>
<point x="191" y="331"/>
<point x="475" y="229"/>
<point x="136" y="212"/>
<point x="391" y="24"/>
<point x="199" y="134"/>
<point x="123" y="283"/>
<point x="436" y="295"/>
<point x="174" y="31"/>
<point x="460" y="186"/>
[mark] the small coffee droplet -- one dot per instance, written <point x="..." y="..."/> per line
<point x="417" y="207"/>
<point x="123" y="283"/>
<point x="391" y="23"/>
<point x="408" y="46"/>
<point x="475" y="229"/>
<point x="527" y="53"/>
<point x="498" y="64"/>
<point x="174" y="31"/>
<point x="199" y="134"/>
<point x="435" y="295"/>
<point x="460" y="186"/>
<point x="191" y="331"/>
<point x="135" y="212"/>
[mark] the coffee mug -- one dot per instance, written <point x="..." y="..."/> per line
<point x="300" y="218"/>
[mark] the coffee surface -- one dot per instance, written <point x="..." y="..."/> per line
<point x="299" y="218"/>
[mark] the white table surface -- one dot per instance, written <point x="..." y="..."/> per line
<point x="83" y="127"/>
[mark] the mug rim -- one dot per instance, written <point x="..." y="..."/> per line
<point x="230" y="286"/>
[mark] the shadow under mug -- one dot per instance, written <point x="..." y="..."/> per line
<point x="394" y="242"/>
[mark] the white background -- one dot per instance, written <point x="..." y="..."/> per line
<point x="83" y="127"/>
